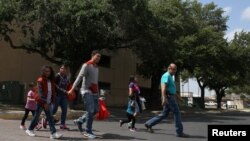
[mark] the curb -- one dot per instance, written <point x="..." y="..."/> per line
<point x="115" y="113"/>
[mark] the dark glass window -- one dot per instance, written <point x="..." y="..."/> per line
<point x="105" y="61"/>
<point x="104" y="85"/>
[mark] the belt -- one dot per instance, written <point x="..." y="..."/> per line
<point x="169" y="95"/>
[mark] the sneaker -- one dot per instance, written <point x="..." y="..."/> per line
<point x="149" y="129"/>
<point x="120" y="121"/>
<point x="183" y="135"/>
<point x="89" y="135"/>
<point x="22" y="127"/>
<point x="64" y="127"/>
<point x="129" y="125"/>
<point x="44" y="123"/>
<point x="79" y="125"/>
<point x="30" y="133"/>
<point x="55" y="136"/>
<point x="38" y="126"/>
<point x="132" y="129"/>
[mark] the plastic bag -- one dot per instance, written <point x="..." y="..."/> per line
<point x="103" y="111"/>
<point x="143" y="100"/>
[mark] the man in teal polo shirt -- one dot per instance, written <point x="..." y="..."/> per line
<point x="168" y="93"/>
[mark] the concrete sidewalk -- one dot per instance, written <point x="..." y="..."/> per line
<point x="16" y="113"/>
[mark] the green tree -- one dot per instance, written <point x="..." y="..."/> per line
<point x="241" y="47"/>
<point x="200" y="48"/>
<point x="67" y="31"/>
<point x="62" y="31"/>
<point x="157" y="46"/>
<point x="232" y="67"/>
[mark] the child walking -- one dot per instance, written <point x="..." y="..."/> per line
<point x="30" y="105"/>
<point x="45" y="97"/>
<point x="132" y="112"/>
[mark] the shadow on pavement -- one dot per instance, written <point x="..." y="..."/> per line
<point x="119" y="137"/>
<point x="72" y="138"/>
<point x="197" y="137"/>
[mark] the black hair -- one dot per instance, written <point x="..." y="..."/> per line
<point x="64" y="65"/>
<point x="94" y="52"/>
<point x="52" y="73"/>
<point x="31" y="85"/>
<point x="131" y="78"/>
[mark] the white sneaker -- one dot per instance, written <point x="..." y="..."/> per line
<point x="129" y="125"/>
<point x="30" y="133"/>
<point x="55" y="136"/>
<point x="23" y="127"/>
<point x="132" y="129"/>
<point x="90" y="136"/>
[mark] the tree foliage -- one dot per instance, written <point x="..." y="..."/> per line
<point x="240" y="46"/>
<point x="67" y="31"/>
<point x="202" y="47"/>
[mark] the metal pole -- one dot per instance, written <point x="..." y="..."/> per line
<point x="188" y="88"/>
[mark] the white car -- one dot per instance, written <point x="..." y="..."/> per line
<point x="210" y="103"/>
<point x="248" y="105"/>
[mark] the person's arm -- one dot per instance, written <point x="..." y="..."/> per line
<point x="61" y="89"/>
<point x="163" y="94"/>
<point x="178" y="96"/>
<point x="81" y="74"/>
<point x="130" y="91"/>
<point x="29" y="97"/>
<point x="57" y="81"/>
<point x="164" y="82"/>
<point x="40" y="98"/>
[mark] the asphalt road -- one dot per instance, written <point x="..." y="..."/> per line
<point x="195" y="124"/>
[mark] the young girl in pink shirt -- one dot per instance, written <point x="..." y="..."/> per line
<point x="30" y="105"/>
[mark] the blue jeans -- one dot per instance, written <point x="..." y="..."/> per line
<point x="49" y="118"/>
<point x="171" y="106"/>
<point x="62" y="101"/>
<point x="91" y="105"/>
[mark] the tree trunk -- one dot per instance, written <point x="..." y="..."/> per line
<point x="155" y="96"/>
<point x="220" y="93"/>
<point x="202" y="97"/>
<point x="202" y="88"/>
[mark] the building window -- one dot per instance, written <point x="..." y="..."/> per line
<point x="105" y="61"/>
<point x="104" y="85"/>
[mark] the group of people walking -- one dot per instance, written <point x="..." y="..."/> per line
<point x="168" y="96"/>
<point x="51" y="92"/>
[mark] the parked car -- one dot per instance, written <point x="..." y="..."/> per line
<point x="210" y="103"/>
<point x="248" y="105"/>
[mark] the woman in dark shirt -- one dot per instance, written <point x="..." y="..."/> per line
<point x="134" y="91"/>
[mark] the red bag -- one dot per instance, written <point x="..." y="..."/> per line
<point x="94" y="88"/>
<point x="72" y="96"/>
<point x="103" y="111"/>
